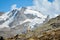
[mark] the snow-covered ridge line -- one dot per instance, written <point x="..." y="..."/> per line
<point x="28" y="11"/>
<point x="10" y="16"/>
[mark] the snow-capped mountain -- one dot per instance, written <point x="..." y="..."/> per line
<point x="21" y="16"/>
<point x="19" y="20"/>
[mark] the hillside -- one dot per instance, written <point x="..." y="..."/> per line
<point x="48" y="31"/>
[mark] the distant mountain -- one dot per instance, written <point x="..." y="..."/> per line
<point x="1" y="13"/>
<point x="18" y="21"/>
<point x="20" y="16"/>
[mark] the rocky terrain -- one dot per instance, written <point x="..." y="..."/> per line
<point x="48" y="35"/>
<point x="48" y="31"/>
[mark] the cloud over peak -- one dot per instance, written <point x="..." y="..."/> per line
<point x="13" y="6"/>
<point x="46" y="7"/>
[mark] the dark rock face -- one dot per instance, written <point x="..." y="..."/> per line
<point x="55" y="25"/>
<point x="31" y="16"/>
<point x="58" y="17"/>
<point x="2" y="22"/>
<point x="1" y="38"/>
<point x="18" y="17"/>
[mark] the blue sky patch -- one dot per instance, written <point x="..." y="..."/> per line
<point x="51" y="1"/>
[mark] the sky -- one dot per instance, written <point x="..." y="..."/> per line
<point x="46" y="7"/>
<point x="5" y="5"/>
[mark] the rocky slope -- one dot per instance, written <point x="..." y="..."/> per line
<point x="48" y="31"/>
<point x="48" y="35"/>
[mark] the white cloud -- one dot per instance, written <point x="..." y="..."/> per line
<point x="56" y="15"/>
<point x="29" y="7"/>
<point x="46" y="7"/>
<point x="13" y="6"/>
